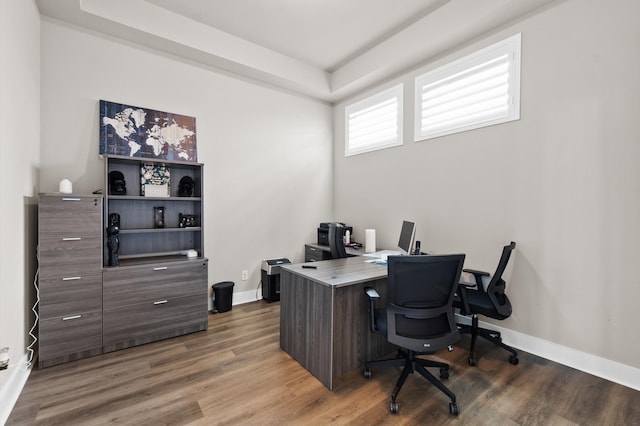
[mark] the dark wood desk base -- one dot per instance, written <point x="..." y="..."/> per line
<point x="326" y="327"/>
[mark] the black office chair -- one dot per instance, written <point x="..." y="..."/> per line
<point x="418" y="317"/>
<point x="488" y="299"/>
<point x="336" y="241"/>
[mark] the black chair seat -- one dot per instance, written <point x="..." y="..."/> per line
<point x="481" y="304"/>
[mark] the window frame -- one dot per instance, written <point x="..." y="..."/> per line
<point x="511" y="47"/>
<point x="396" y="92"/>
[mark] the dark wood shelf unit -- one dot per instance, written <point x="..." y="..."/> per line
<point x="139" y="238"/>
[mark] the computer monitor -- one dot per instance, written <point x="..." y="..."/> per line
<point x="407" y="234"/>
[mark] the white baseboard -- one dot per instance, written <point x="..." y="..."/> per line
<point x="246" y="296"/>
<point x="592" y="364"/>
<point x="11" y="383"/>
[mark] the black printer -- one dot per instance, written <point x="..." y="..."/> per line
<point x="323" y="232"/>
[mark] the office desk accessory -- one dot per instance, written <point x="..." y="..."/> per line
<point x="418" y="317"/>
<point x="65" y="187"/>
<point x="486" y="297"/>
<point x="323" y="232"/>
<point x="369" y="240"/>
<point x="323" y="319"/>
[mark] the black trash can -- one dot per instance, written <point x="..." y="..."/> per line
<point x="222" y="296"/>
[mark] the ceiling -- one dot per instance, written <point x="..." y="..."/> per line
<point x="323" y="33"/>
<point x="327" y="49"/>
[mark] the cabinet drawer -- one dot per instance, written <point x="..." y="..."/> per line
<point x="148" y="283"/>
<point x="69" y="214"/>
<point x="71" y="334"/>
<point x="64" y="256"/>
<point x="146" y="320"/>
<point x="69" y="295"/>
<point x="313" y="254"/>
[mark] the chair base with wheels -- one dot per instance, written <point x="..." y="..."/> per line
<point x="491" y="335"/>
<point x="411" y="364"/>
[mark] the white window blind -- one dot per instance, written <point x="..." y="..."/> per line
<point x="375" y="122"/>
<point x="478" y="90"/>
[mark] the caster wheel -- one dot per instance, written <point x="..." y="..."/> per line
<point x="472" y="361"/>
<point x="444" y="373"/>
<point x="513" y="359"/>
<point x="393" y="408"/>
<point x="367" y="373"/>
<point x="453" y="408"/>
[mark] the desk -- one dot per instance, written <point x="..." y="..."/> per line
<point x="324" y="324"/>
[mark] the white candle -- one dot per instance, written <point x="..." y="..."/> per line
<point x="369" y="240"/>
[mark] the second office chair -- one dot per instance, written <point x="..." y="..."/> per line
<point x="486" y="297"/>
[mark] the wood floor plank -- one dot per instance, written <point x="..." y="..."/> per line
<point x="236" y="374"/>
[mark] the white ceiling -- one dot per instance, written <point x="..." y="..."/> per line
<point x="323" y="33"/>
<point x="327" y="49"/>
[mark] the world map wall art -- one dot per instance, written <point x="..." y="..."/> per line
<point x="132" y="131"/>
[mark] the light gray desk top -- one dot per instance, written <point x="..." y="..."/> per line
<point x="340" y="272"/>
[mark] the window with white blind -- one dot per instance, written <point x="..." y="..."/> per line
<point x="481" y="89"/>
<point x="375" y="122"/>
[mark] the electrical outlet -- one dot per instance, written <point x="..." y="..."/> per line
<point x="245" y="275"/>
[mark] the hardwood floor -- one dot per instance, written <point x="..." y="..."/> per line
<point x="236" y="374"/>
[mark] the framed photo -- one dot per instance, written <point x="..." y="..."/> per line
<point x="132" y="131"/>
<point x="155" y="180"/>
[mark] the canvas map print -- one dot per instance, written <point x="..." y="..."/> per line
<point x="132" y="131"/>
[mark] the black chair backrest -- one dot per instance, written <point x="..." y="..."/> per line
<point x="420" y="301"/>
<point x="497" y="287"/>
<point x="336" y="242"/>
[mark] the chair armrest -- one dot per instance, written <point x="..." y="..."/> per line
<point x="373" y="296"/>
<point x="371" y="293"/>
<point x="476" y="272"/>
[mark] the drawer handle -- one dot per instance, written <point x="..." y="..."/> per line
<point x="160" y="268"/>
<point x="71" y="278"/>
<point x="71" y="199"/>
<point x="160" y="302"/>
<point x="72" y="239"/>
<point x="72" y="317"/>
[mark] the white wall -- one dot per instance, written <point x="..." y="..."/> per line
<point x="19" y="162"/>
<point x="267" y="153"/>
<point x="563" y="182"/>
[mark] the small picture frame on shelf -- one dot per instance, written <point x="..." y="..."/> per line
<point x="151" y="190"/>
<point x="155" y="180"/>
